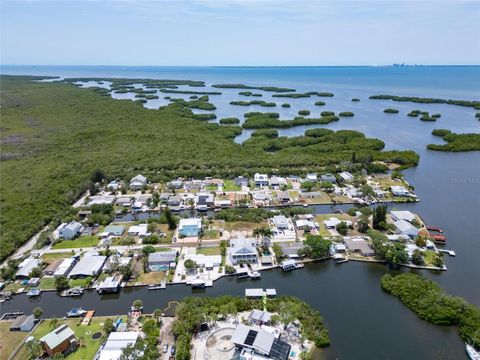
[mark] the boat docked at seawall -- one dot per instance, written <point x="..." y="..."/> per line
<point x="339" y="259"/>
<point x="200" y="284"/>
<point x="254" y="275"/>
<point x="76" y="312"/>
<point x="472" y="353"/>
<point x="33" y="293"/>
<point x="73" y="292"/>
<point x="160" y="286"/>
<point x="289" y="265"/>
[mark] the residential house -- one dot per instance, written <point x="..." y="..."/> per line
<point x="162" y="261"/>
<point x="283" y="197"/>
<point x="116" y="342"/>
<point x="276" y="182"/>
<point x="71" y="230"/>
<point x="260" y="180"/>
<point x="65" y="267"/>
<point x="243" y="250"/>
<point x="306" y="225"/>
<point x="190" y="227"/>
<point x="359" y="245"/>
<point x="23" y="323"/>
<point x="113" y="185"/>
<point x="174" y="201"/>
<point x="175" y="184"/>
<point x="403" y="215"/>
<point x="164" y="197"/>
<point x="311" y="177"/>
<point x="346" y="176"/>
<point x="113" y="230"/>
<point x="204" y="201"/>
<point x="124" y="201"/>
<point x="253" y="342"/>
<point x="205" y="261"/>
<point x="62" y="340"/>
<point x="26" y="267"/>
<point x="260" y="317"/>
<point x="139" y="230"/>
<point x="280" y="222"/>
<point x="241" y="181"/>
<point x="333" y="222"/>
<point x="138" y="182"/>
<point x="89" y="265"/>
<point x="328" y="178"/>
<point x="400" y="191"/>
<point x="403" y="227"/>
<point x="52" y="267"/>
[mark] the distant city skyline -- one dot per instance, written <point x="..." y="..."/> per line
<point x="239" y="33"/>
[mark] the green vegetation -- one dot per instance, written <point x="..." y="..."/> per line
<point x="191" y="92"/>
<point x="81" y="242"/>
<point x="414" y="113"/>
<point x="200" y="103"/>
<point x="229" y="121"/>
<point x="297" y="95"/>
<point x="346" y="113"/>
<point x="256" y="215"/>
<point x="431" y="303"/>
<point x="55" y="135"/>
<point x="193" y="311"/>
<point x="391" y="111"/>
<point x="304" y="112"/>
<point x="474" y="104"/>
<point x="327" y="113"/>
<point x="259" y="122"/>
<point x="253" y="102"/>
<point x="285" y="105"/>
<point x="355" y="99"/>
<point x="319" y="103"/>
<point x="455" y="142"/>
<point x="269" y="133"/>
<point x="249" y="93"/>
<point x="241" y="86"/>
<point x="315" y="247"/>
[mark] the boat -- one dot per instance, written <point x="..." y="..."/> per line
<point x="33" y="293"/>
<point x="160" y="286"/>
<point x="434" y="228"/>
<point x="336" y="210"/>
<point x="339" y="259"/>
<point x="289" y="265"/>
<point x="242" y="275"/>
<point x="75" y="291"/>
<point x="439" y="238"/>
<point x="76" y="312"/>
<point x="254" y="274"/>
<point x="472" y="353"/>
<point x="197" y="284"/>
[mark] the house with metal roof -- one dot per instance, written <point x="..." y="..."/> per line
<point x="403" y="227"/>
<point x="311" y="177"/>
<point x="400" y="191"/>
<point x="280" y="222"/>
<point x="328" y="178"/>
<point x="162" y="261"/>
<point x="26" y="267"/>
<point x="138" y="182"/>
<point x="116" y="342"/>
<point x="243" y="250"/>
<point x="260" y="317"/>
<point x="113" y="230"/>
<point x="402" y="215"/>
<point x="71" y="230"/>
<point x="89" y="265"/>
<point x="256" y="340"/>
<point x="359" y="245"/>
<point x="111" y="284"/>
<point x="346" y="176"/>
<point x="190" y="227"/>
<point x="241" y="181"/>
<point x="23" y="323"/>
<point x="61" y="340"/>
<point x="65" y="267"/>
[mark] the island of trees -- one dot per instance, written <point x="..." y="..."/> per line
<point x="474" y="104"/>
<point x="455" y="142"/>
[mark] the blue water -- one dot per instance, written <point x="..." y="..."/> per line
<point x="363" y="321"/>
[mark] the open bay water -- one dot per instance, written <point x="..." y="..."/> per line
<point x="364" y="322"/>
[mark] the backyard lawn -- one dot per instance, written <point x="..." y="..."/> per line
<point x="9" y="340"/>
<point x="321" y="217"/>
<point x="243" y="225"/>
<point x="49" y="257"/>
<point x="229" y="185"/>
<point x="88" y="346"/>
<point x="80" y="282"/>
<point x="47" y="283"/>
<point x="81" y="242"/>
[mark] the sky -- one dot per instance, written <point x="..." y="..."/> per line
<point x="239" y="33"/>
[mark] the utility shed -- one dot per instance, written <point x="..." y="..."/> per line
<point x="23" y="323"/>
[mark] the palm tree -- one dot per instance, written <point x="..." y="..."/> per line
<point x="157" y="313"/>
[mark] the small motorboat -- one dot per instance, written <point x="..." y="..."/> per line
<point x="33" y="293"/>
<point x="472" y="353"/>
<point x="76" y="312"/>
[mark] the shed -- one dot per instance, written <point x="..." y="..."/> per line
<point x="23" y="323"/>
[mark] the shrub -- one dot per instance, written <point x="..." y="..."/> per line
<point x="346" y="113"/>
<point x="391" y="111"/>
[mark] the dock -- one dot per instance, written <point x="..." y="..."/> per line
<point x="449" y="252"/>
<point x="160" y="286"/>
<point x="258" y="293"/>
<point x="289" y="265"/>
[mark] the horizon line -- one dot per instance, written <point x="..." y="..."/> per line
<point x="253" y="66"/>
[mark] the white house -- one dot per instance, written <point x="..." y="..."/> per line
<point x="138" y="182"/>
<point x="303" y="224"/>
<point x="280" y="222"/>
<point x="346" y="176"/>
<point x="138" y="230"/>
<point x="402" y="215"/>
<point x="399" y="191"/>
<point x="403" y="227"/>
<point x="190" y="227"/>
<point x="333" y="222"/>
<point x="116" y="342"/>
<point x="312" y="177"/>
<point x="260" y="180"/>
<point x="243" y="249"/>
<point x="277" y="182"/>
<point x="71" y="230"/>
<point x="113" y="185"/>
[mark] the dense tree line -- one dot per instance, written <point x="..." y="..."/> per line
<point x="455" y="142"/>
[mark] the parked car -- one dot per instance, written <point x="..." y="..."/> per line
<point x="172" y="350"/>
<point x="165" y="348"/>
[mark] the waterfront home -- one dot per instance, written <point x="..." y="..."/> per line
<point x="346" y="176"/>
<point x="62" y="340"/>
<point x="124" y="201"/>
<point x="164" y="197"/>
<point x="175" y="184"/>
<point x="280" y="222"/>
<point x="403" y="227"/>
<point x="291" y="250"/>
<point x="113" y="230"/>
<point x="65" y="267"/>
<point x="52" y="267"/>
<point x="23" y="323"/>
<point x="174" y="201"/>
<point x="306" y="225"/>
<point x="283" y="197"/>
<point x="115" y="261"/>
<point x="26" y="267"/>
<point x="339" y="248"/>
<point x="260" y="317"/>
<point x="89" y="265"/>
<point x="110" y="284"/>
<point x="162" y="261"/>
<point x="204" y="201"/>
<point x="400" y="191"/>
<point x="138" y="182"/>
<point x="139" y="230"/>
<point x="116" y="342"/>
<point x="71" y="230"/>
<point x="193" y="185"/>
<point x="333" y="222"/>
<point x="253" y="342"/>
<point x="260" y="180"/>
<point x="359" y="245"/>
<point x="310" y="194"/>
<point x="402" y="215"/>
<point x="266" y="260"/>
<point x="101" y="200"/>
<point x="328" y="178"/>
<point x="191" y="227"/>
<point x="222" y="204"/>
<point x="243" y="250"/>
<point x="241" y="181"/>
<point x="261" y="198"/>
<point x="311" y="177"/>
<point x="204" y="261"/>
<point x="276" y="182"/>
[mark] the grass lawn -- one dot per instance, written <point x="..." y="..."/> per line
<point x="229" y="185"/>
<point x="213" y="250"/>
<point x="13" y="286"/>
<point x="169" y="234"/>
<point x="49" y="257"/>
<point x="428" y="256"/>
<point x="211" y="234"/>
<point x="47" y="283"/>
<point x="322" y="199"/>
<point x="321" y="217"/>
<point x="211" y="187"/>
<point x="9" y="340"/>
<point x="88" y="346"/>
<point x="81" y="242"/>
<point x="80" y="282"/>
<point x="243" y="225"/>
<point x="152" y="277"/>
